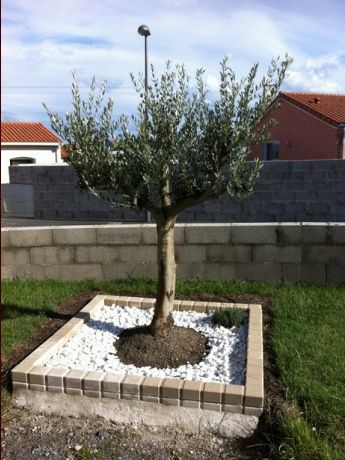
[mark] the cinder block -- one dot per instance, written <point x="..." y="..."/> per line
<point x="37" y="272"/>
<point x="8" y="273"/>
<point x="30" y="237"/>
<point x="80" y="272"/>
<point x="120" y="234"/>
<point x="55" y="377"/>
<point x="289" y="234"/>
<point x="191" y="404"/>
<point x="14" y="256"/>
<point x="149" y="234"/>
<point x="51" y="255"/>
<point x="92" y="381"/>
<point x="170" y="389"/>
<point x="254" y="396"/>
<point x="222" y="272"/>
<point x="75" y="235"/>
<point x="336" y="274"/>
<point x="337" y="232"/>
<point x="324" y="254"/>
<point x="4" y="238"/>
<point x="74" y="378"/>
<point x="211" y="406"/>
<point x="213" y="393"/>
<point x="95" y="254"/>
<point x="270" y="253"/>
<point x="315" y="233"/>
<point x="92" y="393"/>
<point x="131" y="385"/>
<point x="207" y="234"/>
<point x="192" y="271"/>
<point x="170" y="401"/>
<point x="147" y="254"/>
<point x="191" y="390"/>
<point x="150" y="387"/>
<point x="257" y="411"/>
<point x="190" y="254"/>
<point x="291" y="273"/>
<point x="264" y="272"/>
<point x="233" y="395"/>
<point x="122" y="270"/>
<point x="254" y="234"/>
<point x="228" y="253"/>
<point x="232" y="408"/>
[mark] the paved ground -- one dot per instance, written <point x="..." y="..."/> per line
<point x="22" y="222"/>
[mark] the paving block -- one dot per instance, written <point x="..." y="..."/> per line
<point x="170" y="389"/>
<point x="150" y="387"/>
<point x="170" y="401"/>
<point x="191" y="404"/>
<point x="254" y="395"/>
<point x="55" y="377"/>
<point x="131" y="385"/>
<point x="232" y="408"/>
<point x="37" y="375"/>
<point x="257" y="411"/>
<point x="92" y="381"/>
<point x="112" y="383"/>
<point x="191" y="390"/>
<point x="211" y="406"/>
<point x="213" y="393"/>
<point x="74" y="378"/>
<point x="233" y="395"/>
<point x="92" y="393"/>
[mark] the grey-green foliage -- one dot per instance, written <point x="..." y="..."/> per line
<point x="179" y="149"/>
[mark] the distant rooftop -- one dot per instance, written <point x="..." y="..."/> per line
<point x="22" y="131"/>
<point x="329" y="107"/>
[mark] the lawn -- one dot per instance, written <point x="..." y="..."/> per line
<point x="306" y="337"/>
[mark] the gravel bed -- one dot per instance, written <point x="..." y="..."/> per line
<point x="92" y="348"/>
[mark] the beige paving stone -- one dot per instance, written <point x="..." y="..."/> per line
<point x="37" y="375"/>
<point x="171" y="388"/>
<point x="254" y="396"/>
<point x="95" y="305"/>
<point x="213" y="307"/>
<point x="74" y="391"/>
<point x="212" y="392"/>
<point x="74" y="378"/>
<point x="151" y="387"/>
<point x="130" y="396"/>
<point x="110" y="395"/>
<point x="20" y="372"/>
<point x="233" y="395"/>
<point x="53" y="389"/>
<point x="211" y="406"/>
<point x="92" y="393"/>
<point x="191" y="404"/>
<point x="111" y="300"/>
<point x="112" y="383"/>
<point x="131" y="384"/>
<point x="177" y="304"/>
<point x="92" y="381"/>
<point x="35" y="387"/>
<point x="19" y="386"/>
<point x="257" y="411"/>
<point x="135" y="302"/>
<point x="55" y="377"/>
<point x="186" y="305"/>
<point x="122" y="301"/>
<point x="150" y="399"/>
<point x="191" y="390"/>
<point x="148" y="303"/>
<point x="200" y="307"/>
<point x="170" y="401"/>
<point x="232" y="408"/>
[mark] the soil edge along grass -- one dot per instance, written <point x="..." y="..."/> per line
<point x="304" y="416"/>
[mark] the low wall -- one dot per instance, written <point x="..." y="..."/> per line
<point x="250" y="252"/>
<point x="286" y="191"/>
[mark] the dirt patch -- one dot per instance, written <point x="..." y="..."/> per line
<point x="178" y="346"/>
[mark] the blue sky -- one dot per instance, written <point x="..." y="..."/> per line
<point x="43" y="41"/>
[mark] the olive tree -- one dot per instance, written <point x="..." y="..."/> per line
<point x="180" y="149"/>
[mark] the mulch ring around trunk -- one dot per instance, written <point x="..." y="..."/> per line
<point x="176" y="347"/>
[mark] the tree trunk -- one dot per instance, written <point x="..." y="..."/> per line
<point x="166" y="277"/>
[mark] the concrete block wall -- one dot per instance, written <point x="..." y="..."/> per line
<point x="302" y="252"/>
<point x="286" y="191"/>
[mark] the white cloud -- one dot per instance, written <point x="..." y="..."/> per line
<point x="44" y="40"/>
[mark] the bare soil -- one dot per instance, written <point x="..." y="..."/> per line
<point x="178" y="346"/>
<point x="28" y="435"/>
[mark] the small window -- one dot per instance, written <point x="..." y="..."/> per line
<point x="270" y="151"/>
<point x="22" y="161"/>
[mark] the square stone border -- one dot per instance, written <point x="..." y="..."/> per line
<point x="32" y="374"/>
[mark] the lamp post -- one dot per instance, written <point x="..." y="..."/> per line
<point x="144" y="31"/>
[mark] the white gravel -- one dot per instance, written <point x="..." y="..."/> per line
<point x="92" y="348"/>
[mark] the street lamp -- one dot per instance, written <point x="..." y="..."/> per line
<point x="144" y="31"/>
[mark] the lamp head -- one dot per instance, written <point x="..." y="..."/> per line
<point x="144" y="31"/>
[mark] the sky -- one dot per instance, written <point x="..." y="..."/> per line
<point x="43" y="41"/>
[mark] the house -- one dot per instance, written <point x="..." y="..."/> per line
<point x="311" y="126"/>
<point x="25" y="143"/>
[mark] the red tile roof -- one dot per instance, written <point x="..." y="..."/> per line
<point x="329" y="107"/>
<point x="22" y="131"/>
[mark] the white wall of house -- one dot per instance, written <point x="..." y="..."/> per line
<point x="43" y="154"/>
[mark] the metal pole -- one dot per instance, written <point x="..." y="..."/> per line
<point x="148" y="215"/>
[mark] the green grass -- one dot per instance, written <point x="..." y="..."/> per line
<point x="308" y="338"/>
